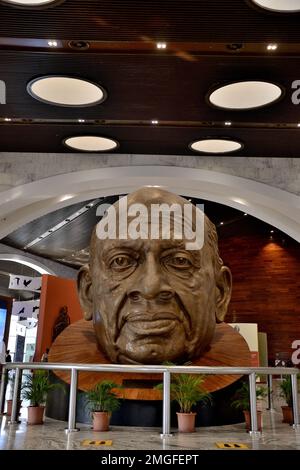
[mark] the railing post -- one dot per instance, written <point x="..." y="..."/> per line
<point x="166" y="405"/>
<point x="14" y="410"/>
<point x="270" y="392"/>
<point x="253" y="410"/>
<point x="295" y="401"/>
<point x="2" y="388"/>
<point x="72" y="402"/>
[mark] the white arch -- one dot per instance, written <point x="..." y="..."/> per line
<point x="274" y="206"/>
<point x="26" y="261"/>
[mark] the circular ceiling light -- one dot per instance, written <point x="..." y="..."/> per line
<point x="280" y="6"/>
<point x="66" y="91"/>
<point x="245" y="95"/>
<point x="91" y="143"/>
<point x="31" y="3"/>
<point x="216" y="146"/>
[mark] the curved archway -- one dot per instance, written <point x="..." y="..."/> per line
<point x="28" y="202"/>
<point x="27" y="261"/>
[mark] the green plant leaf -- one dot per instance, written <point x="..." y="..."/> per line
<point x="187" y="390"/>
<point x="37" y="386"/>
<point x="102" y="398"/>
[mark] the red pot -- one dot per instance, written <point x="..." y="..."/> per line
<point x="186" y="422"/>
<point x="101" y="421"/>
<point x="248" y="420"/>
<point x="9" y="407"/>
<point x="287" y="413"/>
<point x="35" y="415"/>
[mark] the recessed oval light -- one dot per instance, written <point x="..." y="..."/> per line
<point x="280" y="6"/>
<point x="31" y="3"/>
<point x="245" y="95"/>
<point x="66" y="91"/>
<point x="91" y="143"/>
<point x="216" y="146"/>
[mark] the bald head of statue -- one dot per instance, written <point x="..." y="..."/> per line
<point x="151" y="298"/>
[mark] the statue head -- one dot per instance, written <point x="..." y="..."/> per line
<point x="154" y="298"/>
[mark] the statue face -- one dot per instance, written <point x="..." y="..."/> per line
<point x="153" y="300"/>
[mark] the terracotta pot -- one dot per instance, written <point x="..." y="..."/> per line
<point x="287" y="413"/>
<point x="186" y="422"/>
<point x="9" y="407"/>
<point x="101" y="421"/>
<point x="248" y="420"/>
<point x="35" y="414"/>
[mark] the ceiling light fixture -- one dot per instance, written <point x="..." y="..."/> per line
<point x="216" y="146"/>
<point x="154" y="121"/>
<point x="61" y="224"/>
<point x="66" y="91"/>
<point x="7" y="119"/>
<point x="238" y="200"/>
<point x="52" y="43"/>
<point x="81" y="120"/>
<point x="272" y="47"/>
<point x="91" y="143"/>
<point x="31" y="3"/>
<point x="245" y="95"/>
<point x="66" y="197"/>
<point x="298" y="125"/>
<point x="227" y="123"/>
<point x="279" y="6"/>
<point x="161" y="45"/>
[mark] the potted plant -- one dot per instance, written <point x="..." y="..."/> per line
<point x="242" y="402"/>
<point x="102" y="401"/>
<point x="187" y="390"/>
<point x="35" y="390"/>
<point x="286" y="393"/>
<point x="11" y="381"/>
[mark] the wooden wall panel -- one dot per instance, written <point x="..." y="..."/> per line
<point x="56" y="292"/>
<point x="266" y="287"/>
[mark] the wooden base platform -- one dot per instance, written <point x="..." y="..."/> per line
<point x="78" y="344"/>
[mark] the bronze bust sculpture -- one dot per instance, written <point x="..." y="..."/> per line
<point x="61" y="322"/>
<point x="151" y="299"/>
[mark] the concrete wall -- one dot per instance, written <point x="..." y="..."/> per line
<point x="283" y="173"/>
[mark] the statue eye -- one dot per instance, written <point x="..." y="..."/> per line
<point x="180" y="262"/>
<point x="122" y="262"/>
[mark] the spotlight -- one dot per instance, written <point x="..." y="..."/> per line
<point x="272" y="47"/>
<point x="161" y="45"/>
<point x="52" y="43"/>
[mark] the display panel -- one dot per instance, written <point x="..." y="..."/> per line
<point x="3" y="315"/>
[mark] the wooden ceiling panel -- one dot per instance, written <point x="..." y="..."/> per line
<point x="170" y="20"/>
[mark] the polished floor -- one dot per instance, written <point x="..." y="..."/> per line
<point x="52" y="436"/>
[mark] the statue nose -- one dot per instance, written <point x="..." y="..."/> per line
<point x="152" y="283"/>
<point x="164" y="296"/>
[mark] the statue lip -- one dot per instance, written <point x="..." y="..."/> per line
<point x="146" y="316"/>
<point x="149" y="323"/>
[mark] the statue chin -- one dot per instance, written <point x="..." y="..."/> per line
<point x="150" y="353"/>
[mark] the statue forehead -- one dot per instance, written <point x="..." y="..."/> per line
<point x="148" y="196"/>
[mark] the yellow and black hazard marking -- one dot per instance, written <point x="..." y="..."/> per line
<point x="231" y="445"/>
<point x="90" y="442"/>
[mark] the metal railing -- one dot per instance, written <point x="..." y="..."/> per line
<point x="166" y="371"/>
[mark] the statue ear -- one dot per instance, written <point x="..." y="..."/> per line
<point x="84" y="286"/>
<point x="223" y="293"/>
